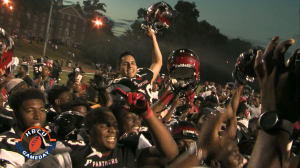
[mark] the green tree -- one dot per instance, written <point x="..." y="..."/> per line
<point x="217" y="53"/>
<point x="142" y="12"/>
<point x="93" y="10"/>
<point x="90" y="7"/>
<point x="79" y="8"/>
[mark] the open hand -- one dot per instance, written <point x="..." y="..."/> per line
<point x="275" y="79"/>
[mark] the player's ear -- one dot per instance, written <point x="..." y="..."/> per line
<point x="57" y="101"/>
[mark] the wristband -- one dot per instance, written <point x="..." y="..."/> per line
<point x="166" y="98"/>
<point x="148" y="114"/>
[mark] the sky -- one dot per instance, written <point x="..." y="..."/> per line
<point x="256" y="21"/>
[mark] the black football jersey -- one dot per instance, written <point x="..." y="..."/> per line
<point x="142" y="81"/>
<point x="37" y="70"/>
<point x="9" y="155"/>
<point x="82" y="155"/>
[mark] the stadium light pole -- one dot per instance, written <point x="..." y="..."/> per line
<point x="47" y="31"/>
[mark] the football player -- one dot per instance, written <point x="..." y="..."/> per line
<point x="142" y="77"/>
<point x="37" y="68"/>
<point x="184" y="70"/>
<point x="103" y="149"/>
<point x="58" y="96"/>
<point x="29" y="110"/>
<point x="185" y="134"/>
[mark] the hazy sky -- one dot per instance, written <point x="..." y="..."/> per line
<point x="256" y="21"/>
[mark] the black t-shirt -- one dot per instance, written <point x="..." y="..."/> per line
<point x="37" y="70"/>
<point x="82" y="155"/>
<point x="28" y="80"/>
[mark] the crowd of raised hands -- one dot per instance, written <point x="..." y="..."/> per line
<point x="278" y="85"/>
<point x="140" y="126"/>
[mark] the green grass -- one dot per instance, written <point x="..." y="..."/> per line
<point x="36" y="50"/>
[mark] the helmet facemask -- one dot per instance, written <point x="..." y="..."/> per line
<point x="183" y="66"/>
<point x="158" y="17"/>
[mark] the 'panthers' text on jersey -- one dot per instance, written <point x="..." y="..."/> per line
<point x="83" y="155"/>
<point x="37" y="70"/>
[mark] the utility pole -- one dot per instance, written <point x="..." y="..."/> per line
<point x="297" y="36"/>
<point x="47" y="31"/>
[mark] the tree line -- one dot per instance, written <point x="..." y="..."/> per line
<point x="217" y="52"/>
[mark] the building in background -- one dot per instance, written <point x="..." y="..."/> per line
<point x="67" y="26"/>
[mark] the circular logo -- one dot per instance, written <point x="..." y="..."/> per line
<point x="35" y="143"/>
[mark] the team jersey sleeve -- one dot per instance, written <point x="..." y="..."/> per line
<point x="8" y="153"/>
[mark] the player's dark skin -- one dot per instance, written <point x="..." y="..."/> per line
<point x="31" y="114"/>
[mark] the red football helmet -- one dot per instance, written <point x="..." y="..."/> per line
<point x="6" y="50"/>
<point x="184" y="130"/>
<point x="159" y="16"/>
<point x="184" y="64"/>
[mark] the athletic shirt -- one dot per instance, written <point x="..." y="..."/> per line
<point x="9" y="155"/>
<point x="82" y="155"/>
<point x="142" y="81"/>
<point x="37" y="70"/>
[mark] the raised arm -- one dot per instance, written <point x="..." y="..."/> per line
<point x="277" y="92"/>
<point x="175" y="104"/>
<point x="156" y="54"/>
<point x="165" y="148"/>
<point x="231" y="111"/>
<point x="234" y="102"/>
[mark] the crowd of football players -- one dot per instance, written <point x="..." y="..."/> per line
<point x="141" y="118"/>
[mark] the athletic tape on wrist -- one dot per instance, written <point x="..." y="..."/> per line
<point x="148" y="114"/>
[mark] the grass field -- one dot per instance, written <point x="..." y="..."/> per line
<point x="36" y="50"/>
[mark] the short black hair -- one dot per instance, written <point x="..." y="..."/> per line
<point x="92" y="117"/>
<point x="117" y="110"/>
<point x="45" y="66"/>
<point x="74" y="103"/>
<point x="25" y="67"/>
<point x="16" y="99"/>
<point x="55" y="91"/>
<point x="80" y="102"/>
<point x="38" y="60"/>
<point x="123" y="55"/>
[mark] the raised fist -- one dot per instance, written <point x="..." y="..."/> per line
<point x="136" y="101"/>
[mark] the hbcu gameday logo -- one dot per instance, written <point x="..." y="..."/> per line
<point x="35" y="143"/>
